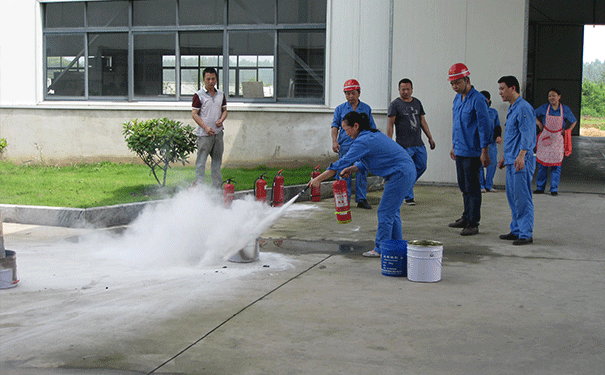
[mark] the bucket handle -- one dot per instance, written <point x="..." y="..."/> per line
<point x="439" y="260"/>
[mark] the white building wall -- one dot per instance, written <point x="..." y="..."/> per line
<point x="359" y="48"/>
<point x="431" y="35"/>
<point x="19" y="36"/>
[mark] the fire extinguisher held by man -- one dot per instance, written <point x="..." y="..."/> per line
<point x="374" y="152"/>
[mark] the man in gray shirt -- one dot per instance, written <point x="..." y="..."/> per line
<point x="406" y="117"/>
<point x="209" y="111"/>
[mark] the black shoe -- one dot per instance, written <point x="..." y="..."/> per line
<point x="469" y="231"/>
<point x="554" y="193"/>
<point x="509" y="236"/>
<point x="523" y="241"/>
<point x="410" y="202"/>
<point x="538" y="191"/>
<point x="364" y="204"/>
<point x="460" y="223"/>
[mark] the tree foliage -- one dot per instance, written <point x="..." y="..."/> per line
<point x="594" y="71"/>
<point x="593" y="99"/>
<point x="160" y="142"/>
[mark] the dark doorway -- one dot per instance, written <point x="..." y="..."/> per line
<point x="555" y="46"/>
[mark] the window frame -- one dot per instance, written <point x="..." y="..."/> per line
<point x="226" y="29"/>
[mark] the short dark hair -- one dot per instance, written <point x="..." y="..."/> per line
<point x="362" y="119"/>
<point x="209" y="70"/>
<point x="487" y="96"/>
<point x="510" y="81"/>
<point x="555" y="90"/>
<point x="406" y="80"/>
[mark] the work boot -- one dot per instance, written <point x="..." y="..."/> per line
<point x="460" y="223"/>
<point x="364" y="204"/>
<point x="509" y="236"/>
<point x="469" y="231"/>
<point x="523" y="241"/>
<point x="538" y="191"/>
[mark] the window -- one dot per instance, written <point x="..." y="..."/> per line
<point x="263" y="50"/>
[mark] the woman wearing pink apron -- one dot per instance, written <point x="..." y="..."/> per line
<point x="552" y="119"/>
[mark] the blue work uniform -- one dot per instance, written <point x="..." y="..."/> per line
<point x="471" y="132"/>
<point x="344" y="141"/>
<point x="555" y="170"/>
<point x="487" y="177"/>
<point x="379" y="154"/>
<point x="520" y="134"/>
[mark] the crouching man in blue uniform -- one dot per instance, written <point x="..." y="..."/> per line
<point x="373" y="151"/>
<point x="519" y="160"/>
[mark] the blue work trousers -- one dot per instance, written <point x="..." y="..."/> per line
<point x="518" y="193"/>
<point x="419" y="157"/>
<point x="361" y="182"/>
<point x="487" y="176"/>
<point x="468" y="170"/>
<point x="389" y="209"/>
<point x="555" y="177"/>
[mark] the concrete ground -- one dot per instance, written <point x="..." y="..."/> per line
<point x="313" y="305"/>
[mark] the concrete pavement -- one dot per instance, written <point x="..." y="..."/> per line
<point x="313" y="305"/>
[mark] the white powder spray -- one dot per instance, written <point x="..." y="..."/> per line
<point x="192" y="229"/>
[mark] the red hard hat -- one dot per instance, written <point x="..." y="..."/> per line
<point x="457" y="71"/>
<point x="351" y="85"/>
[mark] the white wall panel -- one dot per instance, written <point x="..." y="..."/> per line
<point x="431" y="35"/>
<point x="18" y="69"/>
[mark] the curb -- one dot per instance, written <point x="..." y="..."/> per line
<point x="124" y="214"/>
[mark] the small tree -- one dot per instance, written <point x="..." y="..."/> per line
<point x="159" y="142"/>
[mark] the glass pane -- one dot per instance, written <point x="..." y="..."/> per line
<point x="187" y="61"/>
<point x="247" y="61"/>
<point x="232" y="80"/>
<point x="107" y="13"/>
<point x="301" y="11"/>
<point x="265" y="61"/>
<point x="198" y="12"/>
<point x="151" y="78"/>
<point x="251" y="11"/>
<point x="247" y="52"/>
<point x="169" y="61"/>
<point x="198" y="51"/>
<point x="108" y="64"/>
<point x="154" y="13"/>
<point x="190" y="81"/>
<point x="65" y="65"/>
<point x="301" y="65"/>
<point x="64" y="15"/>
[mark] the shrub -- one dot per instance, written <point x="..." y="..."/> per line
<point x="3" y="145"/>
<point x="159" y="142"/>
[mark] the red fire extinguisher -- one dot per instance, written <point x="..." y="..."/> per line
<point x="316" y="192"/>
<point x="260" y="188"/>
<point x="341" y="202"/>
<point x="277" y="192"/>
<point x="228" y="192"/>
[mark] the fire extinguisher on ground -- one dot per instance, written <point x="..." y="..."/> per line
<point x="260" y="188"/>
<point x="316" y="192"/>
<point x="277" y="192"/>
<point x="228" y="192"/>
<point x="341" y="202"/>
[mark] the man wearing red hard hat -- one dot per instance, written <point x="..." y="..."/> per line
<point x="341" y="141"/>
<point x="471" y="136"/>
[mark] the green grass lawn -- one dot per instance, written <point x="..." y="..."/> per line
<point x="103" y="184"/>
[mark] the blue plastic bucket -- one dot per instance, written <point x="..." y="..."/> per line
<point x="393" y="258"/>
